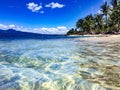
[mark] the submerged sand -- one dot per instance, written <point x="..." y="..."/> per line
<point x="102" y="39"/>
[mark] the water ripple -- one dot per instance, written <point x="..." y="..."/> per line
<point x="59" y="65"/>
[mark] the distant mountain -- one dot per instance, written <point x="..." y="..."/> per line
<point x="11" y="33"/>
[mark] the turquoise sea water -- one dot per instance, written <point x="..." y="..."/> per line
<point x="58" y="64"/>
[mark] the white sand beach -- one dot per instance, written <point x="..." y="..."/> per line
<point x="103" y="39"/>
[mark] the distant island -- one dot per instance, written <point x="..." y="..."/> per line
<point x="107" y="21"/>
<point x="14" y="34"/>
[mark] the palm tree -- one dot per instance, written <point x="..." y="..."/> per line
<point x="99" y="22"/>
<point x="71" y="31"/>
<point x="115" y="3"/>
<point x="115" y="16"/>
<point x="107" y="22"/>
<point x="80" y="25"/>
<point x="105" y="11"/>
<point x="90" y="23"/>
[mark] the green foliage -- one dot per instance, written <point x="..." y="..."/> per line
<point x="73" y="32"/>
<point x="98" y="23"/>
<point x="107" y="22"/>
<point x="115" y="3"/>
<point x="105" y="11"/>
<point x="80" y="24"/>
<point x="90" y="23"/>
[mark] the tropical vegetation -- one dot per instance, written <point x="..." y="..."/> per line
<point x="107" y="21"/>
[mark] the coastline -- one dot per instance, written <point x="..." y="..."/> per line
<point x="102" y="38"/>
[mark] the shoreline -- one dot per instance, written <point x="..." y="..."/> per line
<point x="102" y="38"/>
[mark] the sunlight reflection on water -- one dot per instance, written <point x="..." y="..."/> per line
<point x="64" y="64"/>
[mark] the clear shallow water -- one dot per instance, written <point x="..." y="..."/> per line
<point x="58" y="64"/>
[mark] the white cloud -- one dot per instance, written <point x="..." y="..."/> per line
<point x="38" y="8"/>
<point x="55" y="5"/>
<point x="34" y="7"/>
<point x="4" y="27"/>
<point x="44" y="30"/>
<point x="53" y="30"/>
<point x="16" y="27"/>
<point x="11" y="26"/>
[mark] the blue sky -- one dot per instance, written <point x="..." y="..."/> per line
<point x="45" y="16"/>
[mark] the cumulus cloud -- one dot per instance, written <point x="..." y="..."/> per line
<point x="53" y="30"/>
<point x="16" y="27"/>
<point x="44" y="30"/>
<point x="55" y="5"/>
<point x="34" y="7"/>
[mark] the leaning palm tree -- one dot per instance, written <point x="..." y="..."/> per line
<point x="105" y="11"/>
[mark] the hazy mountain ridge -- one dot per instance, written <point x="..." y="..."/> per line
<point x="11" y="33"/>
